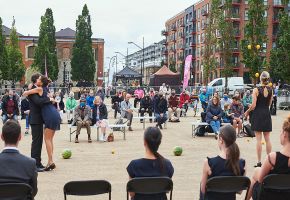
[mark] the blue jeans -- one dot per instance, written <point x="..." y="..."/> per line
<point x="5" y="118"/>
<point x="160" y="119"/>
<point x="215" y="125"/>
<point x="27" y="121"/>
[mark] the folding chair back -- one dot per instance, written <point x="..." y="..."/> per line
<point x="150" y="185"/>
<point x="226" y="187"/>
<point x="87" y="188"/>
<point x="15" y="191"/>
<point x="275" y="186"/>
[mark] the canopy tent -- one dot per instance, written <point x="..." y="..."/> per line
<point x="165" y="75"/>
<point x="128" y="75"/>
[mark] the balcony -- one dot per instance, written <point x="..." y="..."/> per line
<point x="164" y="32"/>
<point x="235" y="16"/>
<point x="237" y="33"/>
<point x="192" y="44"/>
<point x="278" y="4"/>
<point x="165" y="52"/>
<point x="172" y="49"/>
<point x="204" y="12"/>
<point x="181" y="58"/>
<point x="181" y="35"/>
<point x="275" y="19"/>
<point x="203" y="26"/>
<point x="173" y="28"/>
<point x="182" y="24"/>
<point x="164" y="43"/>
<point x="236" y="2"/>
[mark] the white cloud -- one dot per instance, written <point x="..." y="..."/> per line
<point x="117" y="21"/>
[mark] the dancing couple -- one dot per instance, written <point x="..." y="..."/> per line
<point x="42" y="111"/>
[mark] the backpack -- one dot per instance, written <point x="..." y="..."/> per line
<point x="248" y="130"/>
<point x="200" y="131"/>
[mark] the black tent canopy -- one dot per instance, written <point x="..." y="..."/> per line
<point x="128" y="75"/>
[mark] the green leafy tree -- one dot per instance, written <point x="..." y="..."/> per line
<point x="83" y="62"/>
<point x="280" y="56"/>
<point x="226" y="41"/>
<point x="3" y="54"/>
<point x="172" y="65"/>
<point x="210" y="41"/>
<point x="255" y="36"/>
<point x="16" y="68"/>
<point x="45" y="58"/>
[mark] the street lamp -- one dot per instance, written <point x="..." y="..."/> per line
<point x="111" y="59"/>
<point x="64" y="68"/>
<point x="125" y="57"/>
<point x="142" y="66"/>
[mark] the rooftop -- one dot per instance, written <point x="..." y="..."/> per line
<point x="6" y="31"/>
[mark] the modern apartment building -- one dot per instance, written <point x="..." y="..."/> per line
<point x="194" y="36"/>
<point x="153" y="58"/>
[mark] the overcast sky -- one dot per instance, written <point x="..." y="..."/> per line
<point x="117" y="21"/>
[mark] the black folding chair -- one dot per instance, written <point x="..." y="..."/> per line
<point x="275" y="186"/>
<point x="87" y="188"/>
<point x="150" y="185"/>
<point x="15" y="191"/>
<point x="222" y="186"/>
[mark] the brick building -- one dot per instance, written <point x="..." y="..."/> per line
<point x="195" y="25"/>
<point x="64" y="43"/>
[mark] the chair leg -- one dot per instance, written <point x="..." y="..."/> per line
<point x="97" y="133"/>
<point x="109" y="195"/>
<point x="124" y="133"/>
<point x="70" y="134"/>
<point x="64" y="196"/>
<point x="127" y="195"/>
<point x="171" y="195"/>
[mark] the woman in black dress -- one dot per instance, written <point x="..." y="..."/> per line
<point x="261" y="117"/>
<point x="153" y="165"/>
<point x="50" y="117"/>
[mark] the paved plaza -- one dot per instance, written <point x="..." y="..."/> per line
<point x="96" y="161"/>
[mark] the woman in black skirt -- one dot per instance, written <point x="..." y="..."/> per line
<point x="261" y="117"/>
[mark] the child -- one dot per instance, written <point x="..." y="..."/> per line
<point x="227" y="116"/>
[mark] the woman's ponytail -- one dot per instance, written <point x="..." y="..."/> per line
<point x="233" y="157"/>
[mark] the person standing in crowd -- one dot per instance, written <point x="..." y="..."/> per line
<point x="126" y="111"/>
<point x="152" y="165"/>
<point x="116" y="101"/>
<point x="50" y="117"/>
<point x="247" y="100"/>
<point x="138" y="94"/>
<point x="227" y="163"/>
<point x="226" y="100"/>
<point x="261" y="121"/>
<point x="82" y="118"/>
<point x="90" y="99"/>
<point x="10" y="109"/>
<point x="59" y="104"/>
<point x="25" y="109"/>
<point x="214" y="114"/>
<point x="70" y="105"/>
<point x="151" y="93"/>
<point x="161" y="109"/>
<point x="163" y="88"/>
<point x="146" y="106"/>
<point x="168" y="92"/>
<point x="173" y="102"/>
<point x="275" y="163"/>
<point x="183" y="102"/>
<point x="238" y="113"/>
<point x="274" y="102"/>
<point x="15" y="167"/>
<point x="203" y="98"/>
<point x="193" y="100"/>
<point x="100" y="93"/>
<point x="100" y="117"/>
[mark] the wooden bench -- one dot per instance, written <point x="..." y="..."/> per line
<point x="195" y="124"/>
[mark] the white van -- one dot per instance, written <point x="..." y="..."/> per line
<point x="234" y="83"/>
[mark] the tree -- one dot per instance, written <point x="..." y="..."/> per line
<point x="255" y="37"/>
<point x="83" y="62"/>
<point x="172" y="64"/>
<point x="226" y="41"/>
<point x="280" y="56"/>
<point x="16" y="68"/>
<point x="3" y="53"/>
<point x="45" y="58"/>
<point x="209" y="62"/>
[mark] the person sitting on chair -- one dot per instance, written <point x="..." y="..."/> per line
<point x="214" y="114"/>
<point x="15" y="167"/>
<point x="90" y="99"/>
<point x="82" y="118"/>
<point x="126" y="111"/>
<point x="247" y="100"/>
<point x="116" y="101"/>
<point x="226" y="100"/>
<point x="139" y="94"/>
<point x="173" y="109"/>
<point x="227" y="163"/>
<point x="146" y="106"/>
<point x="160" y="110"/>
<point x="183" y="102"/>
<point x="275" y="163"/>
<point x="203" y="98"/>
<point x="100" y="117"/>
<point x="10" y="109"/>
<point x="70" y="106"/>
<point x="238" y="112"/>
<point x="152" y="165"/>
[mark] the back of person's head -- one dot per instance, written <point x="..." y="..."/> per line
<point x="286" y="127"/>
<point x="265" y="77"/>
<point x="34" y="77"/>
<point x="228" y="136"/>
<point x="11" y="132"/>
<point x="152" y="138"/>
<point x="45" y="81"/>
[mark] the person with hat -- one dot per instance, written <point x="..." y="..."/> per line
<point x="82" y="118"/>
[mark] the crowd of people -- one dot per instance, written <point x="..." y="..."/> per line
<point x="225" y="115"/>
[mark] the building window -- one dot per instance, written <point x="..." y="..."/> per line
<point x="30" y="52"/>
<point x="197" y="26"/>
<point x="265" y="2"/>
<point x="274" y="45"/>
<point x="246" y="15"/>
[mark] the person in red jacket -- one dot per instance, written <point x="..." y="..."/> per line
<point x="183" y="102"/>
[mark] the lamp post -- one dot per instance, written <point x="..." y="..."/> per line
<point x="111" y="59"/>
<point x="117" y="52"/>
<point x="142" y="66"/>
<point x="64" y="68"/>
